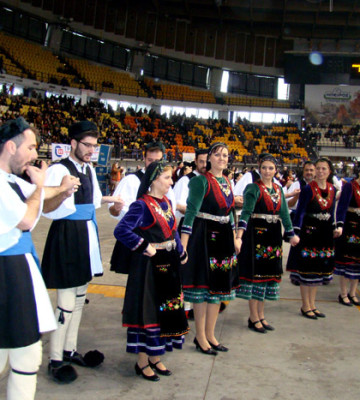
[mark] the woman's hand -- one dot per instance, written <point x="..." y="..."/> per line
<point x="238" y="244"/>
<point x="150" y="251"/>
<point x="337" y="232"/>
<point x="184" y="257"/>
<point x="294" y="240"/>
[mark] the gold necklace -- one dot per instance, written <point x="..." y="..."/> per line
<point x="165" y="214"/>
<point x="226" y="190"/>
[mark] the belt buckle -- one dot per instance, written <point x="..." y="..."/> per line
<point x="222" y="220"/>
<point x="269" y="218"/>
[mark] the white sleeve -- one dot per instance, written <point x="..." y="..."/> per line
<point x="293" y="186"/>
<point x="97" y="195"/>
<point x="337" y="183"/>
<point x="181" y="191"/>
<point x="12" y="208"/>
<point x="28" y="189"/>
<point x="171" y="196"/>
<point x="54" y="176"/>
<point x="127" y="189"/>
<point x="241" y="185"/>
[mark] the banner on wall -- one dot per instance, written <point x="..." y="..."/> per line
<point x="332" y="104"/>
<point x="59" y="151"/>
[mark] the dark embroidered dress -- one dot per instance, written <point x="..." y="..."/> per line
<point x="311" y="262"/>
<point x="211" y="266"/>
<point x="347" y="246"/>
<point x="260" y="258"/>
<point x="153" y="306"/>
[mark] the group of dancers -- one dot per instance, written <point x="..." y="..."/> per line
<point x="177" y="245"/>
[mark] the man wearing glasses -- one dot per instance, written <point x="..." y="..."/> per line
<point x="72" y="251"/>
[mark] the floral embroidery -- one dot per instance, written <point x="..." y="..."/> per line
<point x="353" y="239"/>
<point x="312" y="253"/>
<point x="268" y="252"/>
<point x="173" y="304"/>
<point x="260" y="231"/>
<point x="225" y="264"/>
<point x="163" y="268"/>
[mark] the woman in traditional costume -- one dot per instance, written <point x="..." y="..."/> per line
<point x="347" y="246"/>
<point x="208" y="235"/>
<point x="153" y="306"/>
<point x="312" y="262"/>
<point x="260" y="258"/>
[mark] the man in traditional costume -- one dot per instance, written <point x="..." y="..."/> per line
<point x="72" y="251"/>
<point x="25" y="310"/>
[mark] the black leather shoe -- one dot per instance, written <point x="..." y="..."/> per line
<point x="351" y="298"/>
<point x="218" y="347"/>
<point x="140" y="371"/>
<point x="165" y="372"/>
<point x="306" y="314"/>
<point x="61" y="373"/>
<point x="222" y="307"/>
<point x="341" y="301"/>
<point x="208" y="351"/>
<point x="251" y="325"/>
<point x="268" y="327"/>
<point x="318" y="313"/>
<point x="190" y="315"/>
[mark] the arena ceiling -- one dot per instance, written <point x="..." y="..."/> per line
<point x="325" y="19"/>
<point x="249" y="32"/>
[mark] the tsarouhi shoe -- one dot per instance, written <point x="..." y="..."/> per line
<point x="91" y="358"/>
<point x="61" y="373"/>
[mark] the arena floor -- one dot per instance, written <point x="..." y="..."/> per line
<point x="302" y="359"/>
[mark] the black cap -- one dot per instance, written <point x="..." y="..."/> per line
<point x="198" y="152"/>
<point x="76" y="130"/>
<point x="154" y="146"/>
<point x="12" y="128"/>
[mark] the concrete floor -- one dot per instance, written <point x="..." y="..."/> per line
<point x="302" y="359"/>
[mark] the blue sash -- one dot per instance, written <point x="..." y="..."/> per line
<point x="23" y="246"/>
<point x="84" y="212"/>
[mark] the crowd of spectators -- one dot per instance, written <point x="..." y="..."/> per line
<point x="52" y="115"/>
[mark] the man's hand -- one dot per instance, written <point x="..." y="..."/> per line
<point x="37" y="175"/>
<point x="69" y="185"/>
<point x="239" y="201"/>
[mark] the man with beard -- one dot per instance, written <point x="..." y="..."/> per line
<point x="25" y="310"/>
<point x="72" y="251"/>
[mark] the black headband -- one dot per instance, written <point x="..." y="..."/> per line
<point x="151" y="173"/>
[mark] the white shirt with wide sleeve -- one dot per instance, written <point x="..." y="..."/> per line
<point x="54" y="176"/>
<point x="13" y="209"/>
<point x="181" y="193"/>
<point x="128" y="188"/>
